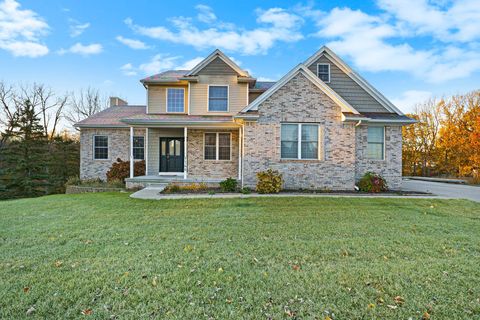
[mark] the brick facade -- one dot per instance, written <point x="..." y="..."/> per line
<point x="301" y="101"/>
<point x="118" y="147"/>
<point x="199" y="168"/>
<point x="391" y="167"/>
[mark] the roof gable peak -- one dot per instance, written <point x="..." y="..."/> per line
<point x="217" y="54"/>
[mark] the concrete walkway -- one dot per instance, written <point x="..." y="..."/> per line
<point x="458" y="191"/>
<point x="153" y="193"/>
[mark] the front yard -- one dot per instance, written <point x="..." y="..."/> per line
<point x="108" y="256"/>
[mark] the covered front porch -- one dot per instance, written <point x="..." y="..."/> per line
<point x="198" y="152"/>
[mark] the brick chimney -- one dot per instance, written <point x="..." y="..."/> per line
<point x="116" y="101"/>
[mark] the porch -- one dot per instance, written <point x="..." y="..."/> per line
<point x="196" y="153"/>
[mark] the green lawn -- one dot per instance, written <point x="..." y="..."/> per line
<point x="114" y="257"/>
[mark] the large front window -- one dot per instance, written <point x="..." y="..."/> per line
<point x="299" y="141"/>
<point x="376" y="143"/>
<point x="218" y="98"/>
<point x="175" y="100"/>
<point x="217" y="146"/>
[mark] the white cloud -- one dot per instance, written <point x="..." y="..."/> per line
<point x="190" y="64"/>
<point x="205" y="13"/>
<point x="458" y="22"/>
<point x="132" y="43"/>
<point x="266" y="79"/>
<point x="84" y="50"/>
<point x="277" y="25"/>
<point x="21" y="30"/>
<point x="410" y="98"/>
<point x="77" y="28"/>
<point x="375" y="44"/>
<point x="128" y="69"/>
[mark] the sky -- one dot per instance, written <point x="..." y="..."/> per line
<point x="410" y="50"/>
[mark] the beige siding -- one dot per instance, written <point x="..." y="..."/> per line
<point x="253" y="95"/>
<point x="157" y="99"/>
<point x="217" y="67"/>
<point x="349" y="89"/>
<point x="154" y="135"/>
<point x="237" y="94"/>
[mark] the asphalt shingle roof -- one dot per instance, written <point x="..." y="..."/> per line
<point x="110" y="117"/>
<point x="169" y="75"/>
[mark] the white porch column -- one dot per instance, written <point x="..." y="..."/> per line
<point x="185" y="159"/>
<point x="146" y="151"/>
<point x="239" y="153"/>
<point x="131" y="152"/>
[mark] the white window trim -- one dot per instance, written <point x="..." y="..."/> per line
<point x="108" y="146"/>
<point x="166" y="100"/>
<point x="299" y="144"/>
<point x="216" y="146"/>
<point x="384" y="144"/>
<point x="144" y="147"/>
<point x="329" y="73"/>
<point x="228" y="97"/>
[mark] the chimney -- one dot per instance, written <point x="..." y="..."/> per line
<point x="116" y="101"/>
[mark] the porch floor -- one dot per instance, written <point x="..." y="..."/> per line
<point x="151" y="179"/>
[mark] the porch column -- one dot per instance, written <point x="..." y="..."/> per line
<point x="146" y="151"/>
<point x="131" y="152"/>
<point x="185" y="159"/>
<point x="239" y="153"/>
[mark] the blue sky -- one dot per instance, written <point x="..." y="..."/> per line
<point x="408" y="49"/>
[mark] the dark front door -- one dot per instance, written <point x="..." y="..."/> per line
<point x="171" y="154"/>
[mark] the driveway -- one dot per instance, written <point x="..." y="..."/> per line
<point x="443" y="189"/>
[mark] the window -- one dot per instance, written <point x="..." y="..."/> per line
<point x="138" y="148"/>
<point x="323" y="71"/>
<point x="217" y="146"/>
<point x="299" y="141"/>
<point x="175" y="100"/>
<point x="100" y="147"/>
<point x="218" y="98"/>
<point x="376" y="141"/>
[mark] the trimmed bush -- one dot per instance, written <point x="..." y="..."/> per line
<point x="372" y="182"/>
<point x="228" y="185"/>
<point x="120" y="170"/>
<point x="269" y="181"/>
<point x="245" y="190"/>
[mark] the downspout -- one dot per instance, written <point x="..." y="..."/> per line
<point x="358" y="123"/>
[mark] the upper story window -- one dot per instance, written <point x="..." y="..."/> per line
<point x="217" y="98"/>
<point x="376" y="143"/>
<point x="218" y="146"/>
<point x="100" y="147"/>
<point x="138" y="148"/>
<point x="175" y="100"/>
<point x="299" y="141"/>
<point x="323" y="71"/>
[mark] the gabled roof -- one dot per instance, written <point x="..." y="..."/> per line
<point x="217" y="54"/>
<point x="354" y="76"/>
<point x="301" y="68"/>
<point x="110" y="117"/>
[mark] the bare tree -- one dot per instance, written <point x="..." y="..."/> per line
<point x="84" y="104"/>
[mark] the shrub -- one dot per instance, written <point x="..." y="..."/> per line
<point x="246" y="190"/>
<point x="269" y="181"/>
<point x="73" y="181"/>
<point x="372" y="182"/>
<point x="120" y="170"/>
<point x="228" y="185"/>
<point x="174" y="188"/>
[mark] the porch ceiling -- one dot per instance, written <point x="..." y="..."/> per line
<point x="179" y="120"/>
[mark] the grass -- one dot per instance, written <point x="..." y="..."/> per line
<point x="109" y="256"/>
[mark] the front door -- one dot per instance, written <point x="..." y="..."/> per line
<point x="171" y="154"/>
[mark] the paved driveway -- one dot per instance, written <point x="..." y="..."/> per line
<point x="443" y="189"/>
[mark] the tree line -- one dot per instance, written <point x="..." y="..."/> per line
<point x="446" y="139"/>
<point x="37" y="152"/>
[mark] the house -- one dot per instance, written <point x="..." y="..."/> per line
<point x="321" y="125"/>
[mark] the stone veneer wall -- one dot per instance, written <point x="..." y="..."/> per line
<point x="199" y="168"/>
<point x="118" y="147"/>
<point x="301" y="101"/>
<point x="391" y="167"/>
